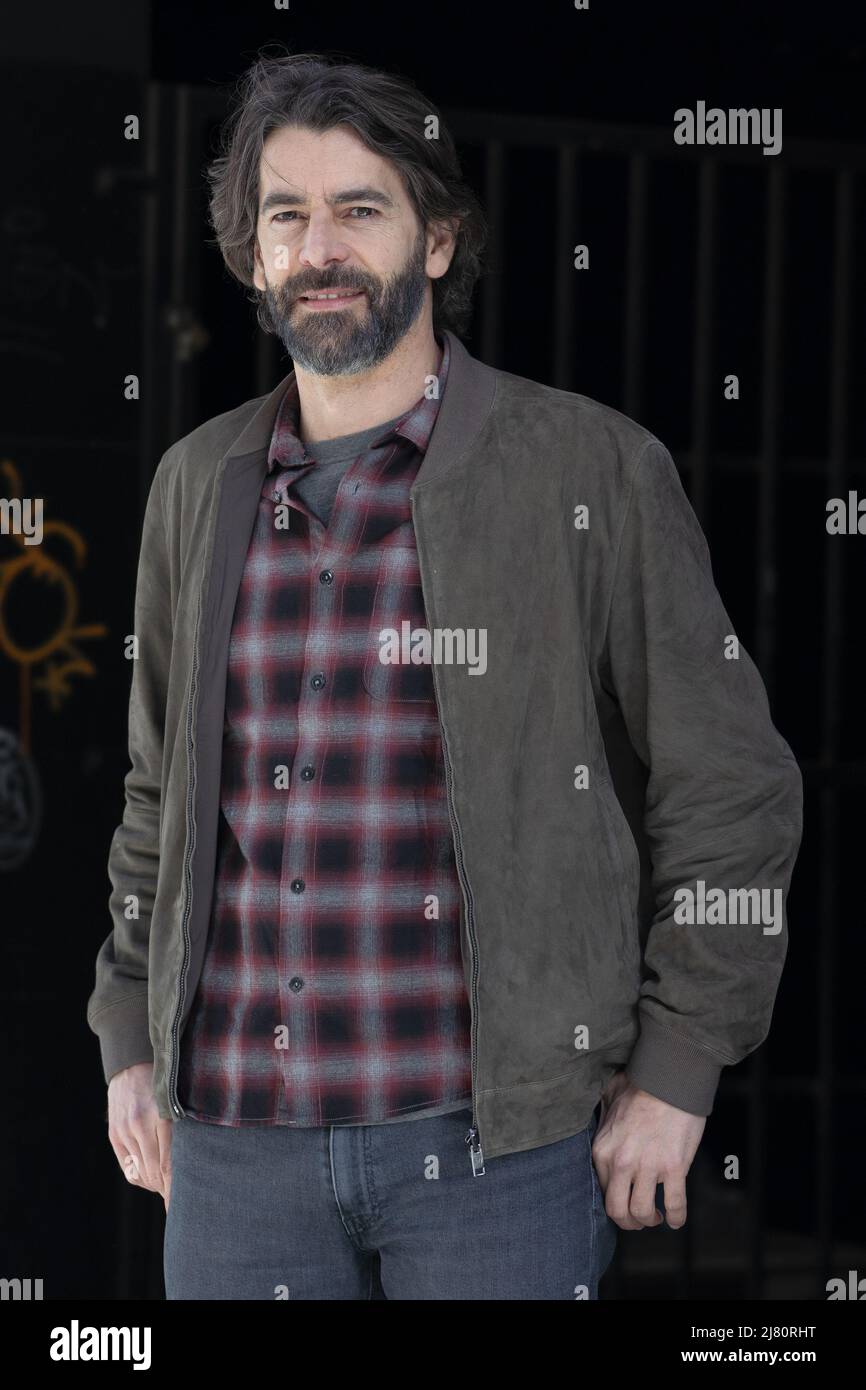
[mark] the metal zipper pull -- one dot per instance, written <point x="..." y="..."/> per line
<point x="476" y="1153"/>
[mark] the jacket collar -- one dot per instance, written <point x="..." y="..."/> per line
<point x="465" y="405"/>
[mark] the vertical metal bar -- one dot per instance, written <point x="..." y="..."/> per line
<point x="491" y="300"/>
<point x="702" y="356"/>
<point x="128" y="1202"/>
<point x="566" y="279"/>
<point x="703" y="353"/>
<point x="635" y="283"/>
<point x="180" y="234"/>
<point x="266" y="362"/>
<point x="768" y="460"/>
<point x="831" y="720"/>
<point x="149" y="261"/>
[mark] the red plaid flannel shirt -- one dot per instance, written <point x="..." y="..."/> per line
<point x="332" y="989"/>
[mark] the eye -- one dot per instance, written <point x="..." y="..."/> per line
<point x="370" y="213"/>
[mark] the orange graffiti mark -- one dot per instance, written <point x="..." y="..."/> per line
<point x="62" y="657"/>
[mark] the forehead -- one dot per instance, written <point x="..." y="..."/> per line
<point x="315" y="164"/>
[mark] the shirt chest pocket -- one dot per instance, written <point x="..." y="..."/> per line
<point x="396" y="622"/>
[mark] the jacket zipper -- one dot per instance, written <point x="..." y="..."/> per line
<point x="473" y="1137"/>
<point x="187" y="870"/>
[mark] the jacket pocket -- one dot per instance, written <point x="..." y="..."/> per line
<point x="398" y="599"/>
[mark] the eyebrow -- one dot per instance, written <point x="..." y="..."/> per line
<point x="347" y="195"/>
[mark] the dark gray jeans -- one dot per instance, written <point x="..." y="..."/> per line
<point x="380" y="1211"/>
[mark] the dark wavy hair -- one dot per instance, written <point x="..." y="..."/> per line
<point x="389" y="114"/>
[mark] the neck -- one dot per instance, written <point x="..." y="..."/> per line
<point x="331" y="406"/>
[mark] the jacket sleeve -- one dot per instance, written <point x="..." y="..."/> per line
<point x="723" y="797"/>
<point x="117" y="1010"/>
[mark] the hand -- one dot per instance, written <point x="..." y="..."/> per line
<point x="642" y="1141"/>
<point x="141" y="1139"/>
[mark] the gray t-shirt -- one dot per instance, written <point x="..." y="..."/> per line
<point x="318" y="487"/>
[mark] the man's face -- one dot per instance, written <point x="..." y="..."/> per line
<point x="333" y="215"/>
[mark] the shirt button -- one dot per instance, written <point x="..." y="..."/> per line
<point x="296" y="983"/>
<point x="308" y="773"/>
<point x="318" y="680"/>
<point x="298" y="885"/>
<point x="326" y="577"/>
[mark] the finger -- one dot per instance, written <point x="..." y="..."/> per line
<point x="128" y="1156"/>
<point x="602" y="1168"/>
<point x="642" y="1205"/>
<point x="131" y="1165"/>
<point x="132" y="1171"/>
<point x="150" y="1153"/>
<point x="675" y="1201"/>
<point x="163" y="1140"/>
<point x="617" y="1199"/>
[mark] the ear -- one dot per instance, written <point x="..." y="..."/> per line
<point x="441" y="245"/>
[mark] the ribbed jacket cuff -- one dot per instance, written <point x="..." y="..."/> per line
<point x="674" y="1068"/>
<point x="123" y="1030"/>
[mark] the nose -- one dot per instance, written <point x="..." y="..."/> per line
<point x="322" y="244"/>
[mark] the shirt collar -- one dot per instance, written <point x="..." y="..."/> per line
<point x="287" y="448"/>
